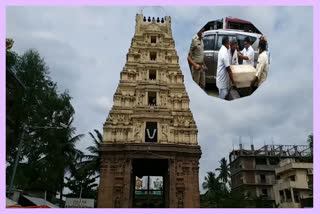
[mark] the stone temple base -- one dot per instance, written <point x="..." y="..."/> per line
<point x="121" y="163"/>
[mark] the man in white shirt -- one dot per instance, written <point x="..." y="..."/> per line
<point x="267" y="49"/>
<point x="224" y="74"/>
<point x="262" y="65"/>
<point x="247" y="54"/>
<point x="233" y="53"/>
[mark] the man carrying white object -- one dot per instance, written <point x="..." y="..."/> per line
<point x="262" y="65"/>
<point x="224" y="74"/>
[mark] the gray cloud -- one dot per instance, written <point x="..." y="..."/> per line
<point x="86" y="47"/>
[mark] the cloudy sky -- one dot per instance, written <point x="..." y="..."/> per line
<point x="86" y="47"/>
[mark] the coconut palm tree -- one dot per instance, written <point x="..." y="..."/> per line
<point x="224" y="173"/>
<point x="92" y="162"/>
<point x="214" y="190"/>
<point x="64" y="154"/>
<point x="81" y="182"/>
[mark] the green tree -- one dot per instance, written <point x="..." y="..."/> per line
<point x="92" y="160"/>
<point x="224" y="173"/>
<point x="63" y="153"/>
<point x="31" y="105"/>
<point x="235" y="199"/>
<point x="214" y="190"/>
<point x="81" y="182"/>
<point x="217" y="194"/>
<point x="47" y="154"/>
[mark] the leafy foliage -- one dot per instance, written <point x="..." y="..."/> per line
<point x="217" y="193"/>
<point x="224" y="173"/>
<point x="214" y="190"/>
<point x="81" y="182"/>
<point x="85" y="171"/>
<point x="47" y="153"/>
<point x="92" y="162"/>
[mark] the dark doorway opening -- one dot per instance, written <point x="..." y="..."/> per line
<point x="150" y="183"/>
<point x="152" y="74"/>
<point x="152" y="98"/>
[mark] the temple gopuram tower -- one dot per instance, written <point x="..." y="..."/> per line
<point x="150" y="154"/>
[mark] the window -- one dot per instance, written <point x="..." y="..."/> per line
<point x="281" y="196"/>
<point x="292" y="178"/>
<point x="153" y="56"/>
<point x="274" y="161"/>
<point x="252" y="39"/>
<point x="219" y="42"/>
<point x="152" y="98"/>
<point x="263" y="178"/>
<point x="208" y="42"/>
<point x="296" y="196"/>
<point x="261" y="161"/>
<point x="152" y="185"/>
<point x="264" y="192"/>
<point x="153" y="39"/>
<point x="288" y="195"/>
<point x="241" y="39"/>
<point x="151" y="132"/>
<point x="152" y="74"/>
<point x="233" y="25"/>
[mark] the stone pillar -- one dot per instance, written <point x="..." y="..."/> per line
<point x="172" y="185"/>
<point x="105" y="194"/>
<point x="292" y="195"/>
<point x="115" y="182"/>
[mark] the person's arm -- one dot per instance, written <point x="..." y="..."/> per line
<point x="196" y="65"/>
<point x="242" y="57"/>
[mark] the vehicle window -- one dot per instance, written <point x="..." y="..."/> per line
<point x="241" y="39"/>
<point x="252" y="39"/>
<point x="208" y="42"/>
<point x="219" y="41"/>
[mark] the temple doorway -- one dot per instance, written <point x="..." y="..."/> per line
<point x="150" y="183"/>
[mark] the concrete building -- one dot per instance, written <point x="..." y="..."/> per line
<point x="294" y="182"/>
<point x="253" y="171"/>
<point x="150" y="130"/>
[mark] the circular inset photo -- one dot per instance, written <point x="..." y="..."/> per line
<point x="229" y="58"/>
